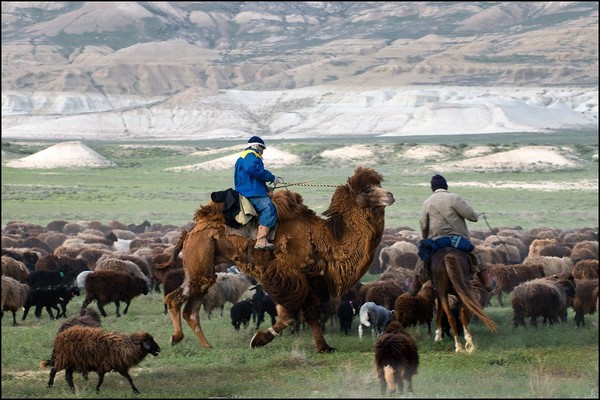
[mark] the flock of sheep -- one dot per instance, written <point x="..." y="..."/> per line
<point x="545" y="271"/>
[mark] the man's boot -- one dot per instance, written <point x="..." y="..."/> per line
<point x="414" y="286"/>
<point x="487" y="281"/>
<point x="261" y="239"/>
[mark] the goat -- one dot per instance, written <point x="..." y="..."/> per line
<point x="375" y="316"/>
<point x="14" y="296"/>
<point x="84" y="349"/>
<point x="396" y="359"/>
<point x="409" y="310"/>
<point x="51" y="298"/>
<point x="113" y="286"/>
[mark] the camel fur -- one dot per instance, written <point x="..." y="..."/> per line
<point x="315" y="259"/>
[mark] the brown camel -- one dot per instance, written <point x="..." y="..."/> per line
<point x="315" y="258"/>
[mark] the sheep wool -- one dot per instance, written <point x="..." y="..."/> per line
<point x="85" y="349"/>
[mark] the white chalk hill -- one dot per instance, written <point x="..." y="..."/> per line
<point x="63" y="155"/>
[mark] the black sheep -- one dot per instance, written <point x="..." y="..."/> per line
<point x="39" y="279"/>
<point x="50" y="298"/>
<point x="345" y="314"/>
<point x="241" y="312"/>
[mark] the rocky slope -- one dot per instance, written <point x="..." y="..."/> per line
<point x="127" y="70"/>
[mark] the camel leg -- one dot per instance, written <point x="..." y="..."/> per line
<point x="261" y="338"/>
<point x="174" y="301"/>
<point x="320" y="344"/>
<point x="191" y="313"/>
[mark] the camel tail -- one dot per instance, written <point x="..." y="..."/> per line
<point x="388" y="375"/>
<point x="460" y="285"/>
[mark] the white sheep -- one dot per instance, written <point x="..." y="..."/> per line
<point x="375" y="316"/>
<point x="227" y="288"/>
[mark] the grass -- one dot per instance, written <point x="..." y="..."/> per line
<point x="557" y="361"/>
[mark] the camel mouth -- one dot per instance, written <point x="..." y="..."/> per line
<point x="389" y="200"/>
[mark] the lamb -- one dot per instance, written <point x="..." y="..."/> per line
<point x="547" y="297"/>
<point x="14" y="296"/>
<point x="345" y="314"/>
<point x="113" y="286"/>
<point x="240" y="313"/>
<point x="396" y="359"/>
<point x="584" y="301"/>
<point x="50" y="298"/>
<point x="84" y="349"/>
<point x="375" y="316"/>
<point x="409" y="310"/>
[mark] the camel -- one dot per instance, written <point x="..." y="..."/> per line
<point x="315" y="259"/>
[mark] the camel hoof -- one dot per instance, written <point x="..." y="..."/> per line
<point x="176" y="339"/>
<point x="261" y="339"/>
<point x="327" y="349"/>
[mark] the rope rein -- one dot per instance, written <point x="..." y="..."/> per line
<point x="303" y="183"/>
<point x="491" y="230"/>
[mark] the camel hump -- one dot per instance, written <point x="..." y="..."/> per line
<point x="289" y="205"/>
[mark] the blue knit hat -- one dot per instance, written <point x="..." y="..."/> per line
<point x="438" y="182"/>
<point x="255" y="140"/>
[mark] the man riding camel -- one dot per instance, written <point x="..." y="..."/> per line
<point x="443" y="214"/>
<point x="250" y="178"/>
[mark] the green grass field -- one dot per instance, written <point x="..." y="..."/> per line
<point x="557" y="361"/>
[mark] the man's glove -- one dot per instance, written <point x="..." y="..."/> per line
<point x="278" y="181"/>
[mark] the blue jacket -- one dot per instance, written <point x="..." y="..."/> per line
<point x="250" y="176"/>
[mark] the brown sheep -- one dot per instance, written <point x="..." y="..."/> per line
<point x="585" y="249"/>
<point x="538" y="244"/>
<point x="586" y="269"/>
<point x="396" y="359"/>
<point x="547" y="297"/>
<point x="84" y="349"/>
<point x="112" y="286"/>
<point x="113" y="263"/>
<point x="510" y="276"/>
<point x="87" y="317"/>
<point x="410" y="311"/>
<point x="14" y="296"/>
<point x="558" y="250"/>
<point x="584" y="301"/>
<point x="15" y="269"/>
<point x="383" y="293"/>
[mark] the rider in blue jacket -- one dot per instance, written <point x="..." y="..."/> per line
<point x="250" y="178"/>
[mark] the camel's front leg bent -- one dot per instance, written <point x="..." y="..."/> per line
<point x="261" y="338"/>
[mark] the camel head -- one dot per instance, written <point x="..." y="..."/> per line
<point x="365" y="184"/>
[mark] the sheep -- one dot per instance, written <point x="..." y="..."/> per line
<point x="50" y="298"/>
<point x="509" y="276"/>
<point x="80" y="279"/>
<point x="383" y="292"/>
<point x="84" y="349"/>
<point x="111" y="262"/>
<point x="53" y="262"/>
<point x="113" y="286"/>
<point x="552" y="265"/>
<point x="227" y="288"/>
<point x="396" y="359"/>
<point x="14" y="296"/>
<point x="171" y="281"/>
<point x="345" y="313"/>
<point x="409" y="310"/>
<point x="584" y="301"/>
<point x="586" y="249"/>
<point x="64" y="276"/>
<point x="27" y="257"/>
<point x="548" y="297"/>
<point x="586" y="268"/>
<point x="538" y="244"/>
<point x="241" y="313"/>
<point x="87" y="317"/>
<point x="15" y="269"/>
<point x="375" y="316"/>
